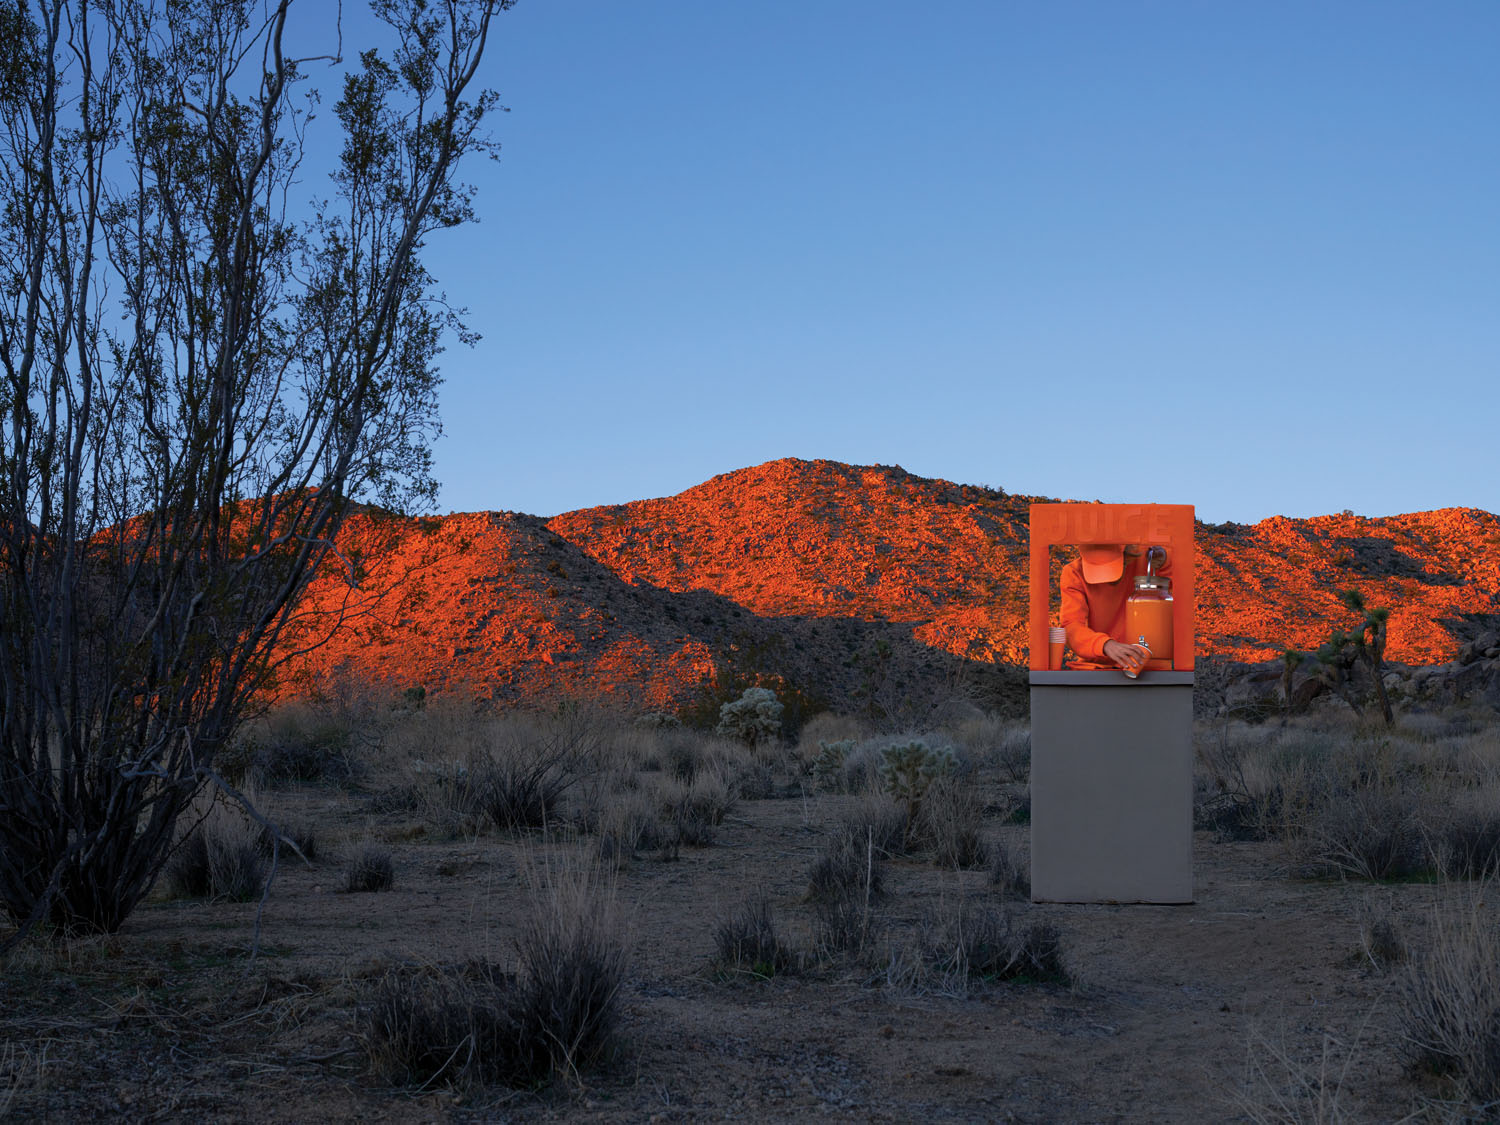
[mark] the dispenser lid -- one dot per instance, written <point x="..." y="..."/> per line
<point x="1155" y="582"/>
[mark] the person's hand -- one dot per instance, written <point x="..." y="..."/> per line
<point x="1132" y="658"/>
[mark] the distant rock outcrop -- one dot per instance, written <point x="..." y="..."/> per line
<point x="854" y="586"/>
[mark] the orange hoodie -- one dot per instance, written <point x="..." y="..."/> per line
<point x="1094" y="613"/>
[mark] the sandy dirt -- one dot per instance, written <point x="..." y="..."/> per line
<point x="1171" y="1009"/>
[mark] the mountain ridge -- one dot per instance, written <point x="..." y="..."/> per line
<point x="836" y="581"/>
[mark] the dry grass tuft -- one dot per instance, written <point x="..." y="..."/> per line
<point x="1282" y="1087"/>
<point x="696" y="809"/>
<point x="572" y="958"/>
<point x="218" y="858"/>
<point x="1449" y="999"/>
<point x="371" y="870"/>
<point x="978" y="943"/>
<point x="23" y="1071"/>
<point x="1010" y="873"/>
<point x="627" y="825"/>
<point x="949" y="823"/>
<point x="472" y="1024"/>
<point x="850" y="866"/>
<point x="1467" y="837"/>
<point x="1381" y="940"/>
<point x="457" y="1025"/>
<point x="747" y="942"/>
<point x="303" y="836"/>
<point x="844" y="883"/>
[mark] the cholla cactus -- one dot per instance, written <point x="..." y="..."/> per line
<point x="831" y="758"/>
<point x="907" y="770"/>
<point x="753" y="717"/>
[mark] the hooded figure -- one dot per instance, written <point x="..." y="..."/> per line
<point x="1095" y="587"/>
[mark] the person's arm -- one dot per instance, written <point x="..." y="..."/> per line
<point x="1126" y="656"/>
<point x="1084" y="640"/>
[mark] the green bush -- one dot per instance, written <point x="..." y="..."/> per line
<point x="907" y="770"/>
<point x="754" y="717"/>
<point x="828" y="766"/>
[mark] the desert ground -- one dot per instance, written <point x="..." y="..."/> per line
<point x="1294" y="988"/>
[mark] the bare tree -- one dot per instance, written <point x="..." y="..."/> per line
<point x="196" y="388"/>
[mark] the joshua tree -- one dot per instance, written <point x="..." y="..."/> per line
<point x="196" y="387"/>
<point x="1291" y="660"/>
<point x="1364" y="643"/>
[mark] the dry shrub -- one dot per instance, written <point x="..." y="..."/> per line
<point x="372" y="869"/>
<point x="683" y="753"/>
<point x="1254" y="779"/>
<point x="1449" y="999"/>
<point x="844" y="882"/>
<point x="1467" y="837"/>
<point x="1281" y="1086"/>
<point x="23" y="1070"/>
<point x="300" y="742"/>
<point x="1010" y="873"/>
<point x="519" y="787"/>
<point x="476" y="1024"/>
<point x="826" y="728"/>
<point x="1340" y="802"/>
<point x="993" y="740"/>
<point x="572" y="958"/>
<point x="452" y="1024"/>
<point x="748" y="942"/>
<point x="462" y="769"/>
<point x="756" y="781"/>
<point x="218" y="858"/>
<point x="629" y="825"/>
<point x="591" y="798"/>
<point x="1367" y="832"/>
<point x="845" y="927"/>
<point x="880" y="819"/>
<point x="949" y="820"/>
<point x="857" y="772"/>
<point x="978" y="942"/>
<point x="850" y="866"/>
<point x="1381" y="940"/>
<point x="303" y="837"/>
<point x="1013" y="755"/>
<point x="697" y="809"/>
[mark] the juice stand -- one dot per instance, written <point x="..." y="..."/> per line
<point x="1111" y="754"/>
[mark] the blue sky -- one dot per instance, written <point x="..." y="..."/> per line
<point x="1244" y="256"/>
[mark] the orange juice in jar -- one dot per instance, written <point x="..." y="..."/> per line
<point x="1148" y="614"/>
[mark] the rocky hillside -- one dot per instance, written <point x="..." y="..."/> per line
<point x="849" y="584"/>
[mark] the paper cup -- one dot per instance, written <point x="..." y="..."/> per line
<point x="1057" y="640"/>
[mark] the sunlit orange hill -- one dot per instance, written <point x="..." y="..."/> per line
<point x="794" y="572"/>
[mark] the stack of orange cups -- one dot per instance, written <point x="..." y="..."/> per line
<point x="1057" y="638"/>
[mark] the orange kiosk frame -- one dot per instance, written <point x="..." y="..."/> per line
<point x="1150" y="525"/>
<point x="1112" y="757"/>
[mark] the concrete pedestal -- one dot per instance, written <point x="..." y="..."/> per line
<point x="1111" y="787"/>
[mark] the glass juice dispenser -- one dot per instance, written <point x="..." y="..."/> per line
<point x="1148" y="618"/>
